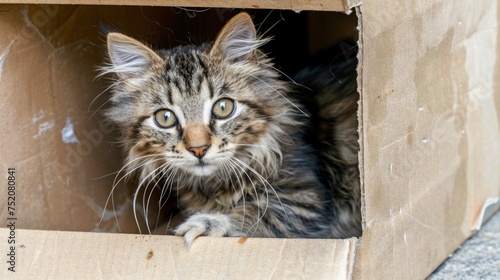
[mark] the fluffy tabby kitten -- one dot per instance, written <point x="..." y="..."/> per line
<point x="215" y="125"/>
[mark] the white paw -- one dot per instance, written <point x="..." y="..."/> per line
<point x="206" y="224"/>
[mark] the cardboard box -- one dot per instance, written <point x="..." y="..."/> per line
<point x="429" y="119"/>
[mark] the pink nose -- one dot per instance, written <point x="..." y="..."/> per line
<point x="200" y="151"/>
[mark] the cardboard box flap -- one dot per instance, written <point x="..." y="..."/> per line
<point x="296" y="5"/>
<point x="76" y="255"/>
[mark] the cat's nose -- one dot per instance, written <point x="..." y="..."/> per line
<point x="200" y="151"/>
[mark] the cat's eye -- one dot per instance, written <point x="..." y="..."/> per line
<point x="165" y="118"/>
<point x="223" y="108"/>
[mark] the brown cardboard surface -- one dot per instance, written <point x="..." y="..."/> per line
<point x="431" y="131"/>
<point x="77" y="255"/>
<point x="296" y="5"/>
<point x="62" y="153"/>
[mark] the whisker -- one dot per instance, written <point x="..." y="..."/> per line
<point x="265" y="183"/>
<point x="273" y="152"/>
<point x="104" y="176"/>
<point x="115" y="84"/>
<point x="236" y="164"/>
<point x="152" y="173"/>
<point x="168" y="223"/>
<point x="281" y="94"/>
<point x="115" y="184"/>
<point x="284" y="75"/>
<point x="169" y="187"/>
<point x="238" y="175"/>
<point x="263" y="21"/>
<point x="146" y="204"/>
<point x="261" y="164"/>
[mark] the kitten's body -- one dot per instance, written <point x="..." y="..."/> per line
<point x="247" y="173"/>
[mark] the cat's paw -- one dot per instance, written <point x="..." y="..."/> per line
<point x="206" y="224"/>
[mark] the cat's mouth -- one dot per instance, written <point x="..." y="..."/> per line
<point x="202" y="168"/>
<point x="201" y="163"/>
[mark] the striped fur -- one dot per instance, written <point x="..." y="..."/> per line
<point x="258" y="177"/>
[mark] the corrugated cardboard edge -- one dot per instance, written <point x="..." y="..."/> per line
<point x="351" y="4"/>
<point x="78" y="255"/>
<point x="360" y="112"/>
<point x="296" y="5"/>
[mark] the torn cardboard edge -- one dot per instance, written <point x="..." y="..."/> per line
<point x="361" y="143"/>
<point x="490" y="207"/>
<point x="79" y="255"/>
<point x="295" y="5"/>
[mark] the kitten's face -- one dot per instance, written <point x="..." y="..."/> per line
<point x="198" y="113"/>
<point x="202" y="111"/>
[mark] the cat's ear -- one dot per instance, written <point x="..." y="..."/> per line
<point x="129" y="57"/>
<point x="237" y="41"/>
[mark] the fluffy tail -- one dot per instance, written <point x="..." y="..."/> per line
<point x="332" y="100"/>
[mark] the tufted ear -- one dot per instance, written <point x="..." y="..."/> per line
<point x="237" y="41"/>
<point x="129" y="57"/>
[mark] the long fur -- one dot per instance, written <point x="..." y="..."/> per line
<point x="261" y="175"/>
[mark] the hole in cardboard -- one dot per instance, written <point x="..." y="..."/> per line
<point x="58" y="48"/>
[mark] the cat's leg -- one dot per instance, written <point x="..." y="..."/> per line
<point x="207" y="224"/>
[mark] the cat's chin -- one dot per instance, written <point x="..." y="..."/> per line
<point x="202" y="170"/>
